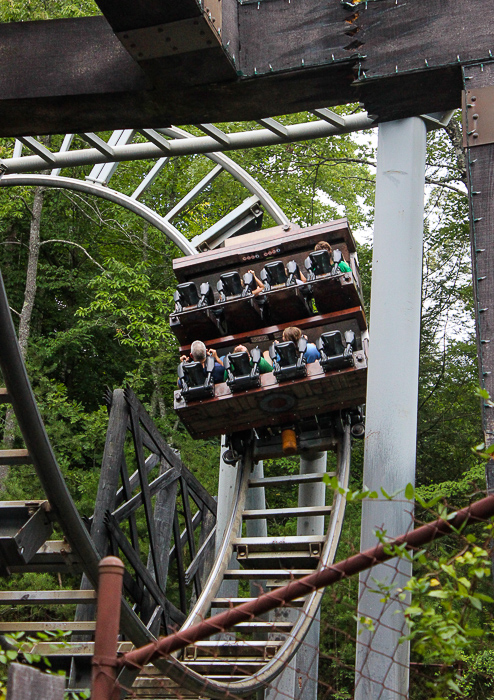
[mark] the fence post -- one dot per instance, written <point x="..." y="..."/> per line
<point x="27" y="683"/>
<point x="104" y="673"/>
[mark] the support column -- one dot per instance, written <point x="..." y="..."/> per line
<point x="382" y="664"/>
<point x="226" y="487"/>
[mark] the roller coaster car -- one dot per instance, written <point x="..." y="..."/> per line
<point x="277" y="259"/>
<point x="327" y="308"/>
<point x="334" y="353"/>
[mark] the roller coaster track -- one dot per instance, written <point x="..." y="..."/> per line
<point x="240" y="663"/>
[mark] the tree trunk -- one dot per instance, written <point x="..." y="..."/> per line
<point x="27" y="308"/>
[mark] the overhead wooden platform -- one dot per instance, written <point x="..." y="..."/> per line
<point x="148" y="64"/>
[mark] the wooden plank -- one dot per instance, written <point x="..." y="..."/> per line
<point x="11" y="457"/>
<point x="113" y="454"/>
<point x="142" y="571"/>
<point x="67" y="597"/>
<point x="4" y="395"/>
<point x="28" y="683"/>
<point x="170" y="455"/>
<point x="124" y="493"/>
<point x="190" y="533"/>
<point x="163" y="481"/>
<point x="146" y="496"/>
<point x="164" y="508"/>
<point x="200" y="557"/>
<point x="180" y="562"/>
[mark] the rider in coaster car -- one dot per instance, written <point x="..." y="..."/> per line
<point x="198" y="353"/>
<point x="323" y="245"/>
<point x="294" y="334"/>
<point x="264" y="364"/>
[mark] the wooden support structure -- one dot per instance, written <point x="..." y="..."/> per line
<point x="151" y="64"/>
<point x="478" y="135"/>
<point x="27" y="683"/>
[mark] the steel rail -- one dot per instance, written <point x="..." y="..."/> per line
<point x="70" y="183"/>
<point x="38" y="444"/>
<point x="219" y="690"/>
<point x="191" y="146"/>
<point x="47" y="469"/>
<point x="240" y="174"/>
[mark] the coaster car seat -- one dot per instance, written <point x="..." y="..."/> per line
<point x="196" y="380"/>
<point x="288" y="359"/>
<point x="241" y="373"/>
<point x="336" y="353"/>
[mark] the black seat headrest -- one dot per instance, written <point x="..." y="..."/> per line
<point x="320" y="262"/>
<point x="239" y="363"/>
<point x="275" y="271"/>
<point x="185" y="295"/>
<point x="229" y="284"/>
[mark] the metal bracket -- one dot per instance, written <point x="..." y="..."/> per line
<point x="242" y="551"/>
<point x="172" y="39"/>
<point x="478" y="116"/>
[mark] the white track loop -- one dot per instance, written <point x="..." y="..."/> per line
<point x="204" y="686"/>
<point x="69" y="183"/>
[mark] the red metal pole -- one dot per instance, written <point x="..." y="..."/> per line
<point x="105" y="669"/>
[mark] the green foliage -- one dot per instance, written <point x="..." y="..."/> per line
<point x="126" y="299"/>
<point x="440" y="613"/>
<point x="20" y="647"/>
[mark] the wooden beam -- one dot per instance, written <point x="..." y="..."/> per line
<point x="75" y="75"/>
<point x="480" y="170"/>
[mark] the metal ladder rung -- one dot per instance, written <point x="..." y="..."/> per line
<point x="7" y="627"/>
<point x="290" y="479"/>
<point x="254" y="574"/>
<point x="266" y="626"/>
<point x="275" y="544"/>
<point x="80" y="649"/>
<point x="233" y="602"/>
<point x="269" y="513"/>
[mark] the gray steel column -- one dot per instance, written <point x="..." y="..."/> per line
<point x="226" y="486"/>
<point x="256" y="500"/>
<point x="382" y="663"/>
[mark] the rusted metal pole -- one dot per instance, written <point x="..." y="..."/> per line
<point x="477" y="512"/>
<point x="105" y="668"/>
